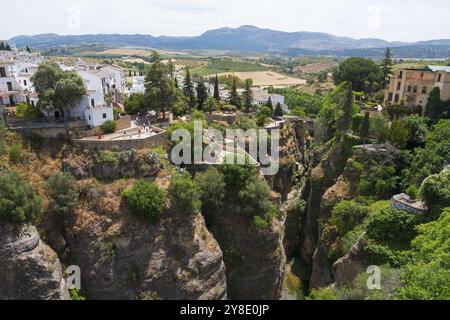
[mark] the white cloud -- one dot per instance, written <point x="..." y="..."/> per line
<point x="388" y="19"/>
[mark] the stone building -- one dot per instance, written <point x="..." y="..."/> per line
<point x="411" y="87"/>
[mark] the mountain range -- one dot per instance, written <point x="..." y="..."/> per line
<point x="249" y="39"/>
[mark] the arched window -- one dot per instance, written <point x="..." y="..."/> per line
<point x="409" y="88"/>
<point x="424" y="90"/>
<point x="415" y="89"/>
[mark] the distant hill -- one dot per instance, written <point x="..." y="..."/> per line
<point x="248" y="39"/>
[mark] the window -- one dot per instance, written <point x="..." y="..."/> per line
<point x="92" y="103"/>
<point x="409" y="88"/>
<point x="390" y="96"/>
<point x="415" y="89"/>
<point x="424" y="90"/>
<point x="2" y="72"/>
<point x="400" y="75"/>
<point x="399" y="85"/>
<point x="25" y="83"/>
<point x="32" y="103"/>
<point x="439" y="77"/>
<point x="397" y="97"/>
<point x="104" y="116"/>
<point x="89" y="117"/>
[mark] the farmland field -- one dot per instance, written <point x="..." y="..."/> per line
<point x="269" y="78"/>
<point x="216" y="66"/>
<point x="137" y="52"/>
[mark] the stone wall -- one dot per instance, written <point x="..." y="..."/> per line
<point x="159" y="139"/>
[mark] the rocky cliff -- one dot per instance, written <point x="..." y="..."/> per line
<point x="29" y="269"/>
<point x="255" y="259"/>
<point x="122" y="257"/>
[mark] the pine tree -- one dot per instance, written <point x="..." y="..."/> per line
<point x="365" y="126"/>
<point x="216" y="89"/>
<point x="278" y="111"/>
<point x="202" y="94"/>
<point x="346" y="119"/>
<point x="159" y="86"/>
<point x="269" y="104"/>
<point x="248" y="96"/>
<point x="28" y="49"/>
<point x="435" y="106"/>
<point x="233" y="97"/>
<point x="188" y="90"/>
<point x="386" y="66"/>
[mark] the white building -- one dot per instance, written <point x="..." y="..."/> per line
<point x="261" y="97"/>
<point x="138" y="85"/>
<point x="11" y="92"/>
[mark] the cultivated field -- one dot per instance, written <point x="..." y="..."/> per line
<point x="269" y="78"/>
<point x="137" y="52"/>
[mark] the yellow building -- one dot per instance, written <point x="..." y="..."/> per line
<point x="411" y="87"/>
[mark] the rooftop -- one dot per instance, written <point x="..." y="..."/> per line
<point x="439" y="68"/>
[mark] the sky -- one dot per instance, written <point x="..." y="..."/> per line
<point x="392" y="20"/>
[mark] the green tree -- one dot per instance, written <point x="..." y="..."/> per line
<point x="184" y="195"/>
<point x="188" y="89"/>
<point x="386" y="66"/>
<point x="211" y="186"/>
<point x="346" y="215"/>
<point x="435" y="191"/>
<point x="380" y="128"/>
<point x="210" y="104"/>
<point x="63" y="193"/>
<point x="202" y="94"/>
<point x="361" y="73"/>
<point x="181" y="105"/>
<point x="392" y="227"/>
<point x="109" y="126"/>
<point x="145" y="200"/>
<point x="278" y="111"/>
<point x="25" y="111"/>
<point x="216" y="89"/>
<point x="398" y="134"/>
<point x="135" y="104"/>
<point x="269" y="104"/>
<point x="19" y="201"/>
<point x="347" y="109"/>
<point x="435" y="107"/>
<point x="248" y="96"/>
<point x="57" y="89"/>
<point x="159" y="86"/>
<point x="427" y="277"/>
<point x="233" y="98"/>
<point x="365" y="126"/>
<point x="418" y="130"/>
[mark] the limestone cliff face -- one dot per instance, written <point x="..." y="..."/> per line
<point x="332" y="181"/>
<point x="327" y="165"/>
<point x="29" y="269"/>
<point x="347" y="268"/>
<point x="255" y="259"/>
<point x="125" y="258"/>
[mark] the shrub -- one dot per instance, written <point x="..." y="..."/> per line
<point x="392" y="227"/>
<point x="109" y="157"/>
<point x="109" y="127"/>
<point x="145" y="200"/>
<point x="347" y="215"/>
<point x="183" y="194"/>
<point x="19" y="201"/>
<point x="211" y="186"/>
<point x="260" y="223"/>
<point x="25" y="111"/>
<point x="435" y="191"/>
<point x="16" y="153"/>
<point x="63" y="193"/>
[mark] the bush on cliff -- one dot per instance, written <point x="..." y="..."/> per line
<point x="211" y="186"/>
<point x="145" y="200"/>
<point x="184" y="195"/>
<point x="63" y="192"/>
<point x="109" y="127"/>
<point x="19" y="201"/>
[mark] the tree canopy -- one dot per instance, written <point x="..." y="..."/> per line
<point x="362" y="73"/>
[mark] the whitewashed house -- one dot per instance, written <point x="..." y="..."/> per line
<point x="138" y="85"/>
<point x="11" y="92"/>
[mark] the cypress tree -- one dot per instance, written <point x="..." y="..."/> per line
<point x="216" y="89"/>
<point x="188" y="90"/>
